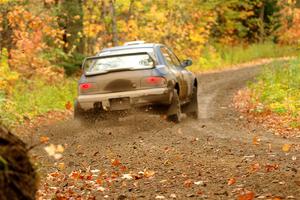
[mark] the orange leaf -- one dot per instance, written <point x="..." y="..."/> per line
<point x="54" y="174"/>
<point x="75" y="175"/>
<point x="123" y="168"/>
<point x="256" y="140"/>
<point x="115" y="162"/>
<point x="248" y="195"/>
<point x="255" y="167"/>
<point x="231" y="181"/>
<point x="270" y="168"/>
<point x="68" y="105"/>
<point x="187" y="183"/>
<point x="44" y="139"/>
<point x="89" y="177"/>
<point x="99" y="181"/>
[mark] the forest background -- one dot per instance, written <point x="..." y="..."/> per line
<point x="43" y="43"/>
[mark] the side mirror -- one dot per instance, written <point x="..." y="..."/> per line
<point x="186" y="63"/>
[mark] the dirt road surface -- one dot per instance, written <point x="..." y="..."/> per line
<point x="220" y="156"/>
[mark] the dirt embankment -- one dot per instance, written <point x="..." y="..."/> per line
<point x="220" y="156"/>
<point x="17" y="176"/>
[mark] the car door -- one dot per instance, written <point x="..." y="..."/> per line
<point x="186" y="74"/>
<point x="176" y="69"/>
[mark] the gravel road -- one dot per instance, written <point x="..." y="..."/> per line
<point x="210" y="158"/>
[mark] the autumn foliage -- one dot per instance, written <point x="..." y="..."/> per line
<point x="42" y="39"/>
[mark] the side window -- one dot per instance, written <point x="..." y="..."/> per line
<point x="166" y="55"/>
<point x="174" y="59"/>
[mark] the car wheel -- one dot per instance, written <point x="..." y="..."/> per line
<point x="174" y="112"/>
<point x="191" y="109"/>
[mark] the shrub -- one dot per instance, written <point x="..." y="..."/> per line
<point x="278" y="87"/>
<point x="31" y="98"/>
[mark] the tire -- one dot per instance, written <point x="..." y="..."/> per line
<point x="174" y="112"/>
<point x="191" y="109"/>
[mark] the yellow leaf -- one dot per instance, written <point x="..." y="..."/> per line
<point x="61" y="166"/>
<point x="148" y="173"/>
<point x="286" y="147"/>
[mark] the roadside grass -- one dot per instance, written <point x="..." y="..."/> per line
<point x="278" y="88"/>
<point x="29" y="99"/>
<point x="274" y="99"/>
<point x="220" y="57"/>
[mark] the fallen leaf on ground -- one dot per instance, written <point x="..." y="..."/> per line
<point x="231" y="181"/>
<point x="44" y="139"/>
<point x="61" y="166"/>
<point x="256" y="140"/>
<point x="75" y="175"/>
<point x="101" y="189"/>
<point x="51" y="149"/>
<point x="60" y="149"/>
<point x="99" y="181"/>
<point x="68" y="105"/>
<point x="255" y="167"/>
<point x="159" y="197"/>
<point x="149" y="173"/>
<point x="271" y="167"/>
<point x="199" y="183"/>
<point x="115" y="162"/>
<point x="248" y="195"/>
<point x="286" y="147"/>
<point x="89" y="177"/>
<point x="95" y="171"/>
<point x="187" y="183"/>
<point x="127" y="176"/>
<point x="123" y="168"/>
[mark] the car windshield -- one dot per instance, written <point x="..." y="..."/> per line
<point x="118" y="62"/>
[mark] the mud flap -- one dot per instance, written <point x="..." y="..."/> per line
<point x="191" y="109"/>
<point x="174" y="111"/>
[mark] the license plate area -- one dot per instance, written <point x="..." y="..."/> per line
<point x="120" y="103"/>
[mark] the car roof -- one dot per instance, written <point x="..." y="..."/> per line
<point x="131" y="47"/>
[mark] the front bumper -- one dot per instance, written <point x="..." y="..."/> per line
<point x="136" y="98"/>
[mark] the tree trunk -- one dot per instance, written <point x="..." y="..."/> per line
<point x="129" y="11"/>
<point x="297" y="4"/>
<point x="6" y="33"/>
<point x="262" y="24"/>
<point x="114" y="23"/>
<point x="72" y="23"/>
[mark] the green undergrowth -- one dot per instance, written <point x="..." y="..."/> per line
<point x="278" y="89"/>
<point x="31" y="98"/>
<point x="219" y="56"/>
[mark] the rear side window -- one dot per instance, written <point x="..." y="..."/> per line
<point x="166" y="55"/>
<point x="97" y="65"/>
<point x="170" y="57"/>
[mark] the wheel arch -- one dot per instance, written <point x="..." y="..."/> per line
<point x="195" y="84"/>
